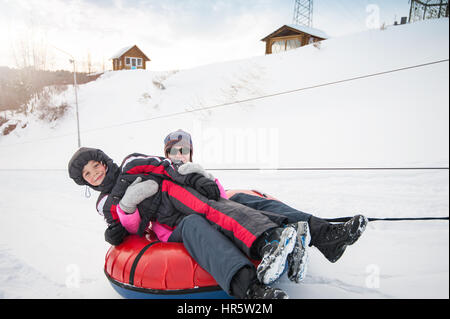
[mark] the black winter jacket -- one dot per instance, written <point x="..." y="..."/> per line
<point x="147" y="167"/>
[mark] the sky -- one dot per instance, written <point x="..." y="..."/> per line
<point x="174" y="34"/>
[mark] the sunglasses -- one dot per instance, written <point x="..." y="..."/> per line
<point x="184" y="150"/>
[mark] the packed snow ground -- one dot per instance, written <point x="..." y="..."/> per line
<point x="51" y="238"/>
<point x="51" y="243"/>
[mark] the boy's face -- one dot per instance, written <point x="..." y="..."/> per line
<point x="94" y="172"/>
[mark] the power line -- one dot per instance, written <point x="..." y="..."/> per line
<point x="329" y="168"/>
<point x="272" y="169"/>
<point x="199" y="109"/>
<point x="388" y="219"/>
<point x="333" y="220"/>
<point x="32" y="169"/>
<point x="269" y="95"/>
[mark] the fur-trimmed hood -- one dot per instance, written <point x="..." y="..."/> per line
<point x="82" y="157"/>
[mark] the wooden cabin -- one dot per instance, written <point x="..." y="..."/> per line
<point x="292" y="36"/>
<point x="129" y="58"/>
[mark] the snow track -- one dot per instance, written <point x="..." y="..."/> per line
<point x="55" y="249"/>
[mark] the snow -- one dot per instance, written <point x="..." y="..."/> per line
<point x="119" y="53"/>
<point x="309" y="30"/>
<point x="51" y="237"/>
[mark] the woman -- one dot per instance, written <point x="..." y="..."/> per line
<point x="330" y="239"/>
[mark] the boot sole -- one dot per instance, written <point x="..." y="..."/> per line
<point x="298" y="259"/>
<point x="363" y="221"/>
<point x="271" y="267"/>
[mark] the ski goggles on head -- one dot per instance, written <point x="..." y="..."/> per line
<point x="178" y="136"/>
<point x="183" y="150"/>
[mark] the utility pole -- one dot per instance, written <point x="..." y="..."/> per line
<point x="72" y="60"/>
<point x="76" y="99"/>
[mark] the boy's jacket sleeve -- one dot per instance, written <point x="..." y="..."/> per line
<point x="107" y="208"/>
<point x="146" y="164"/>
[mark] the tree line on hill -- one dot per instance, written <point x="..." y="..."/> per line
<point x="18" y="86"/>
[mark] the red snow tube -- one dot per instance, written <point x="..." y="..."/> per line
<point x="147" y="268"/>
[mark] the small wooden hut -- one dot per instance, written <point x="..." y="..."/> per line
<point x="129" y="58"/>
<point x="292" y="36"/>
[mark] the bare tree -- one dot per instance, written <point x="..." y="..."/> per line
<point x="86" y="64"/>
<point x="30" y="50"/>
<point x="103" y="65"/>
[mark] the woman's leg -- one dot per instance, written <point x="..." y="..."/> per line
<point x="330" y="239"/>
<point x="250" y="230"/>
<point x="270" y="205"/>
<point x="241" y="224"/>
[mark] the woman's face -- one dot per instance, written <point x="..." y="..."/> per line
<point x="180" y="153"/>
<point x="94" y="172"/>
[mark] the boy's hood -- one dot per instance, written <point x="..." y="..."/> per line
<point x="82" y="157"/>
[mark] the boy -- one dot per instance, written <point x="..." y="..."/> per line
<point x="153" y="186"/>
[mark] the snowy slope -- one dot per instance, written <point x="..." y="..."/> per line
<point x="51" y="239"/>
<point x="388" y="120"/>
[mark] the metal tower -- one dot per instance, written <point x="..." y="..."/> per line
<point x="427" y="9"/>
<point x="303" y="11"/>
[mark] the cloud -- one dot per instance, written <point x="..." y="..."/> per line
<point x="175" y="34"/>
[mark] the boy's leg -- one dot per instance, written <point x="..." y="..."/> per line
<point x="240" y="287"/>
<point x="270" y="205"/>
<point x="214" y="252"/>
<point x="250" y="230"/>
<point x="243" y="225"/>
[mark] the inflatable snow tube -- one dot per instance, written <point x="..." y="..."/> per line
<point x="143" y="267"/>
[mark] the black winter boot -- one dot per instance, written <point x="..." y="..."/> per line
<point x="260" y="291"/>
<point x="242" y="280"/>
<point x="245" y="285"/>
<point x="333" y="239"/>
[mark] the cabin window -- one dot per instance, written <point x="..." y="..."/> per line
<point x="285" y="45"/>
<point x="278" y="46"/>
<point x="133" y="62"/>
<point x="293" y="44"/>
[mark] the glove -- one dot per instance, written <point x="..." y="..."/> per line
<point x="115" y="233"/>
<point x="136" y="193"/>
<point x="189" y="168"/>
<point x="204" y="186"/>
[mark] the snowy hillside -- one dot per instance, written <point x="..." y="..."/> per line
<point x="395" y="114"/>
<point x="388" y="120"/>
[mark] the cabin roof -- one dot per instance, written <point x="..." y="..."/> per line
<point x="299" y="28"/>
<point x="124" y="50"/>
